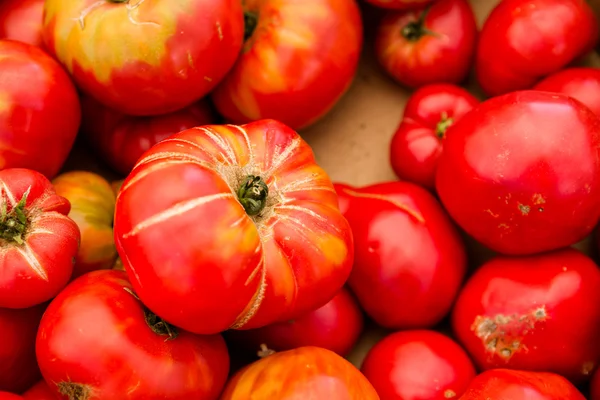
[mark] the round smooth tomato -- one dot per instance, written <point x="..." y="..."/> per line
<point x="538" y="313"/>
<point x="21" y="20"/>
<point x="40" y="112"/>
<point x="418" y="364"/>
<point x="418" y="141"/>
<point x="433" y="44"/>
<point x="96" y="339"/>
<point x="407" y="252"/>
<point x="399" y="4"/>
<point x="581" y="83"/>
<point x="39" y="391"/>
<point x="298" y="59"/>
<point x="227" y="226"/>
<point x="303" y="373"/>
<point x="524" y="40"/>
<point x="145" y="57"/>
<point x="521" y="172"/>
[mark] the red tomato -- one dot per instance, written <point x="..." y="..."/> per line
<point x="39" y="391"/>
<point x="18" y="366"/>
<point x="582" y="84"/>
<point x="21" y="20"/>
<point x="399" y="4"/>
<point x="39" y="241"/>
<point x="272" y="244"/>
<point x="418" y="141"/>
<point x="508" y="177"/>
<point x="298" y="59"/>
<point x="504" y="384"/>
<point x="406" y="252"/>
<point x="9" y="396"/>
<point x="336" y="326"/>
<point x="524" y="40"/>
<point x="145" y="57"/>
<point x="595" y="386"/>
<point x="302" y="373"/>
<point x="539" y="312"/>
<point x="120" y="139"/>
<point x="418" y="364"/>
<point x="97" y="339"/>
<point x="39" y="110"/>
<point x="429" y="45"/>
<point x="343" y="198"/>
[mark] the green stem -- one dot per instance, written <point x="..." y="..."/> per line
<point x="253" y="193"/>
<point x="415" y="30"/>
<point x="250" y="23"/>
<point x="156" y="323"/>
<point x="443" y="125"/>
<point x="13" y="223"/>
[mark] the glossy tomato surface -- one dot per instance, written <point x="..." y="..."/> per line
<point x="271" y="245"/>
<point x="298" y="59"/>
<point x="524" y="40"/>
<point x="399" y="4"/>
<point x="303" y="373"/>
<point x="21" y="20"/>
<point x="432" y="44"/>
<point x="40" y="111"/>
<point x="581" y="83"/>
<point x="418" y="141"/>
<point x="97" y="339"/>
<point x="508" y="177"/>
<point x="39" y="391"/>
<point x="418" y="364"/>
<point x="145" y="57"/>
<point x="407" y="252"/>
<point x="538" y="313"/>
<point x="9" y="396"/>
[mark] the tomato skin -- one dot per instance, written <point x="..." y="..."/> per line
<point x="302" y="373"/>
<point x="99" y="313"/>
<point x="39" y="391"/>
<point x="296" y="65"/>
<point x="395" y="366"/>
<point x="153" y="61"/>
<point x="595" y="385"/>
<point x="21" y="20"/>
<point x="418" y="140"/>
<point x="513" y="35"/>
<point x="40" y="112"/>
<point x="399" y="4"/>
<point x="407" y="251"/>
<point x="505" y="384"/>
<point x="582" y="84"/>
<point x="445" y="55"/>
<point x="304" y="257"/>
<point x="525" y="193"/>
<point x="120" y="139"/>
<point x="9" y="396"/>
<point x="517" y="312"/>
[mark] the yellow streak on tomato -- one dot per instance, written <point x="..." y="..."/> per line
<point x="333" y="248"/>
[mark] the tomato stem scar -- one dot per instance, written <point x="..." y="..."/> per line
<point x="253" y="193"/>
<point x="13" y="223"/>
<point x="443" y="125"/>
<point x="156" y="323"/>
<point x="415" y="30"/>
<point x="250" y="23"/>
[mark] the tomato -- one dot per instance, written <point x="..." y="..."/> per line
<point x="508" y="177"/>
<point x="524" y="40"/>
<point x="407" y="251"/>
<point x="39" y="242"/>
<point x="39" y="391"/>
<point x="228" y="226"/>
<point x="97" y="339"/>
<point x="116" y="185"/>
<point x="336" y="326"/>
<point x="120" y="140"/>
<point x="298" y="59"/>
<point x="399" y="4"/>
<point x="18" y="366"/>
<point x="419" y="364"/>
<point x="145" y="57"/>
<point x="21" y="20"/>
<point x="428" y="45"/>
<point x="302" y="373"/>
<point x="9" y="396"/>
<point x="595" y="385"/>
<point x="39" y="112"/>
<point x="582" y="84"/>
<point x="504" y="384"/>
<point x="517" y="312"/>
<point x="92" y="208"/>
<point x="418" y="142"/>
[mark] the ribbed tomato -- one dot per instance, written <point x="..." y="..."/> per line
<point x="21" y="20"/>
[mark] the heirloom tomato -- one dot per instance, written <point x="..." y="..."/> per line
<point x="538" y="313"/>
<point x="38" y="241"/>
<point x="524" y="40"/>
<point x="21" y="20"/>
<point x="432" y="44"/>
<point x="418" y="142"/>
<point x="227" y="226"/>
<point x="419" y="364"/>
<point x="97" y="341"/>
<point x="505" y="384"/>
<point x="299" y="58"/>
<point x="145" y="57"/>
<point x="582" y="84"/>
<point x="121" y="139"/>
<point x="399" y="4"/>
<point x="302" y="373"/>
<point x="92" y="207"/>
<point x="407" y="252"/>
<point x="39" y="391"/>
<point x="521" y="172"/>
<point x="39" y="110"/>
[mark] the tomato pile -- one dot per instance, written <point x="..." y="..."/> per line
<point x="213" y="258"/>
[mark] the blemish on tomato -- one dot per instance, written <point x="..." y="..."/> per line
<point x="587" y="368"/>
<point x="206" y="78"/>
<point x="448" y="394"/>
<point x="538" y="199"/>
<point x="219" y="30"/>
<point x="524" y="209"/>
<point x="492" y="213"/>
